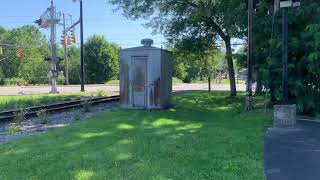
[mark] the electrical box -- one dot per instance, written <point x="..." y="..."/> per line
<point x="145" y="77"/>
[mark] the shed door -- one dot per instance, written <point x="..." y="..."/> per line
<point x="139" y="81"/>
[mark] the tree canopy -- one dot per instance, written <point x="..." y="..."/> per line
<point x="102" y="60"/>
<point x="194" y="20"/>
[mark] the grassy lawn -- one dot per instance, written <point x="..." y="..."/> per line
<point x="11" y="102"/>
<point x="205" y="136"/>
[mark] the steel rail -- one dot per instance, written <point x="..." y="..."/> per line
<point x="57" y="107"/>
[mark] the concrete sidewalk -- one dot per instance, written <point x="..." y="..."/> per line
<point x="293" y="154"/>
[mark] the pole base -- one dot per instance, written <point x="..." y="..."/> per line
<point x="284" y="115"/>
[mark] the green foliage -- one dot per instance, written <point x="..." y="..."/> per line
<point x="102" y="60"/>
<point x="197" y="23"/>
<point x="100" y="93"/>
<point x="13" y="81"/>
<point x="14" y="129"/>
<point x="43" y="115"/>
<point x="206" y="136"/>
<point x="86" y="106"/>
<point x="20" y="115"/>
<point x="74" y="64"/>
<point x="31" y="67"/>
<point x="11" y="102"/>
<point x="192" y="65"/>
<point x="304" y="74"/>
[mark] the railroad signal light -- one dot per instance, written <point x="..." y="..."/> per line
<point x="38" y="21"/>
<point x="63" y="40"/>
<point x="73" y="37"/>
<point x="69" y="40"/>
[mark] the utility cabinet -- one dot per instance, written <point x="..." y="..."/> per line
<point x="145" y="77"/>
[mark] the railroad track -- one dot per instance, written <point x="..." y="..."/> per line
<point x="57" y="107"/>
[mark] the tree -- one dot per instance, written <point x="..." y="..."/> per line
<point x="74" y="64"/>
<point x="101" y="60"/>
<point x="182" y="19"/>
<point x="32" y="66"/>
<point x="198" y="62"/>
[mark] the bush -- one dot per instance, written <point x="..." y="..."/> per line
<point x="14" y="81"/>
<point x="176" y="81"/>
<point x="100" y="93"/>
<point x="61" y="80"/>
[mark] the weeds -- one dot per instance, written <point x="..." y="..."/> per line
<point x="86" y="106"/>
<point x="76" y="115"/>
<point x="20" y="116"/>
<point x="43" y="115"/>
<point x="14" y="129"/>
<point x="100" y="93"/>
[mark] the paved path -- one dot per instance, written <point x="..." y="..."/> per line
<point x="93" y="88"/>
<point x="293" y="154"/>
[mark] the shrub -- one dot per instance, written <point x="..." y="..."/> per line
<point x="100" y="93"/>
<point x="14" y="81"/>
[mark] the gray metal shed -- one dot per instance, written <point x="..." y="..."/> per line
<point x="145" y="77"/>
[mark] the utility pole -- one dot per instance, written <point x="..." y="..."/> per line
<point x="248" y="98"/>
<point x="82" y="48"/>
<point x="66" y="65"/>
<point x="54" y="59"/>
<point x="285" y="56"/>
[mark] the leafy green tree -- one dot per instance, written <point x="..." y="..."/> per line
<point x="303" y="58"/>
<point x="74" y="64"/>
<point x="101" y="60"/>
<point x="195" y="19"/>
<point x="31" y="67"/>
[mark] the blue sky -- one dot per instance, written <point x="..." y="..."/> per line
<point x="99" y="18"/>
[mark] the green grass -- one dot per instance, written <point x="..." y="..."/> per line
<point x="205" y="136"/>
<point x="11" y="102"/>
<point x="113" y="82"/>
<point x="176" y="81"/>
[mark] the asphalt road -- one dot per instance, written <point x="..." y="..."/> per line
<point x="293" y="154"/>
<point x="94" y="88"/>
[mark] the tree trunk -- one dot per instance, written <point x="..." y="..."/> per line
<point x="209" y="83"/>
<point x="259" y="84"/>
<point x="233" y="89"/>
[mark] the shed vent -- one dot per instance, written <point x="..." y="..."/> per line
<point x="147" y="42"/>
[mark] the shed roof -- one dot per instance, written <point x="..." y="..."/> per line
<point x="144" y="48"/>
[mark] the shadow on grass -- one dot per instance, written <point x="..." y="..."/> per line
<point x="205" y="136"/>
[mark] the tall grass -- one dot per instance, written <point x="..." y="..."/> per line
<point x="12" y="102"/>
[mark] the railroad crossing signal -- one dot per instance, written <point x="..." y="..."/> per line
<point x="73" y="37"/>
<point x="42" y="23"/>
<point x="69" y="40"/>
<point x="20" y="53"/>
<point x="63" y="40"/>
